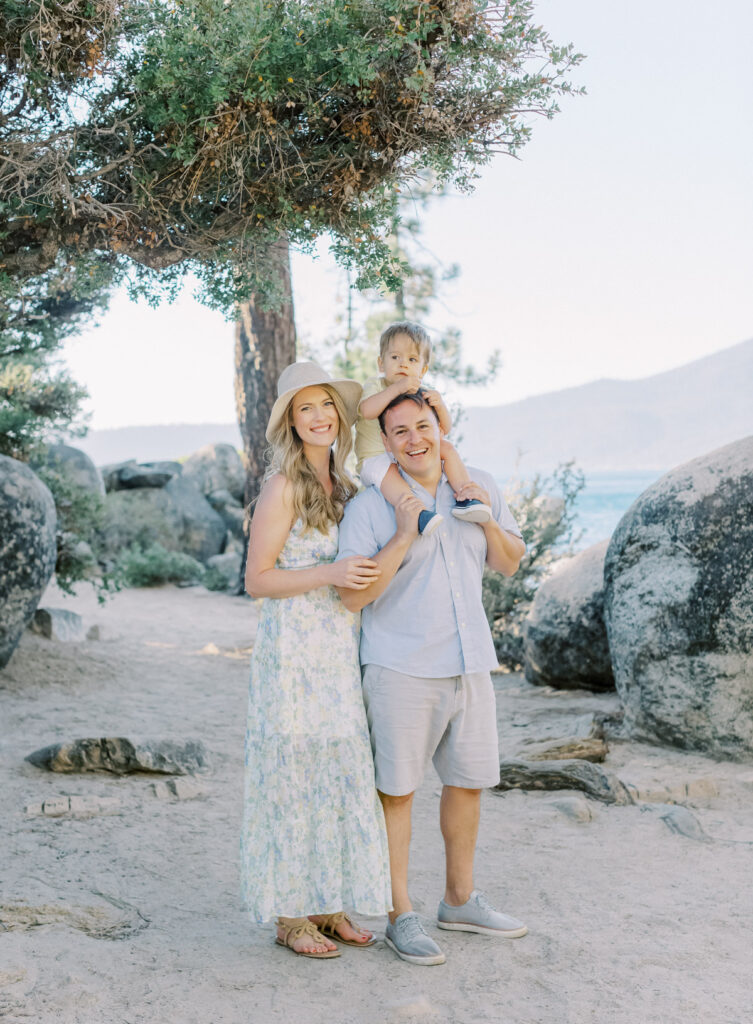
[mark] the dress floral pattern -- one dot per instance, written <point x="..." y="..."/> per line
<point x="313" y="838"/>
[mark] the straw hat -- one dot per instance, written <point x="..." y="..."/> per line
<point x="305" y="375"/>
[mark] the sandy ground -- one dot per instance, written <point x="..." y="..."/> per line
<point x="132" y="914"/>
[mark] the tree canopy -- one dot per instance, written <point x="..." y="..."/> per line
<point x="191" y="134"/>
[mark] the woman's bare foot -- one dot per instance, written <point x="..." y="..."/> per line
<point x="305" y="943"/>
<point x="348" y="930"/>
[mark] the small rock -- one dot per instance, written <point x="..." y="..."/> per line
<point x="702" y="789"/>
<point x="58" y="624"/>
<point x="103" y="917"/>
<point x="574" y="807"/>
<point x="122" y="757"/>
<point x="186" y="789"/>
<point x="684" y="823"/>
<point x="56" y="806"/>
<point x="146" y="474"/>
<point x="591" y="748"/>
<point x="94" y="632"/>
<point x="582" y="775"/>
<point x="34" y="809"/>
<point x="160" y="790"/>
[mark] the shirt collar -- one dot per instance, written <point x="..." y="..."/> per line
<point x="416" y="486"/>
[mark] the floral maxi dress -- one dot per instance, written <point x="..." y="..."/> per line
<point x="313" y="838"/>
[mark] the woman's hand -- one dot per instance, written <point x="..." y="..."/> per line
<point x="354" y="573"/>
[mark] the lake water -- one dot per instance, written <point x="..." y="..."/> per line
<point x="604" y="500"/>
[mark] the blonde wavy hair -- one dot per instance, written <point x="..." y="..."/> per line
<point x="311" y="503"/>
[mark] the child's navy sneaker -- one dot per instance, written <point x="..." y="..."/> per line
<point x="428" y="522"/>
<point x="472" y="511"/>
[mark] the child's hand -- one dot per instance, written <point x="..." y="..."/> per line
<point x="433" y="397"/>
<point x="408" y="385"/>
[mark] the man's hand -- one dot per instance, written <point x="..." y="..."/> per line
<point x="407" y="511"/>
<point x="355" y="573"/>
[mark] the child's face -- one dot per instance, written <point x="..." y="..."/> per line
<point x="401" y="359"/>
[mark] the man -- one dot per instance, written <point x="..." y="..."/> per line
<point x="426" y="652"/>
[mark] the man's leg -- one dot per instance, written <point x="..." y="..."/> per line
<point x="397" y="818"/>
<point x="459" y="813"/>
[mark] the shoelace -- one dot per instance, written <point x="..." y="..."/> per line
<point x="483" y="902"/>
<point x="412" y="928"/>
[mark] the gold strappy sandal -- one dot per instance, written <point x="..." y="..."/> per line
<point x="330" y="923"/>
<point x="291" y="932"/>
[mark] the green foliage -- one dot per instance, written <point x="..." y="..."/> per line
<point x="544" y="510"/>
<point x="356" y="351"/>
<point x="213" y="579"/>
<point x="151" y="566"/>
<point x="193" y="134"/>
<point x="35" y="400"/>
<point x="80" y="520"/>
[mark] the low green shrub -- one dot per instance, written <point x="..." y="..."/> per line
<point x="153" y="565"/>
<point x="544" y="510"/>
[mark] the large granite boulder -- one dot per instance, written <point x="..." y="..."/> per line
<point x="564" y="636"/>
<point x="177" y="516"/>
<point x="679" y="606"/>
<point x="216" y="467"/>
<point x="75" y="465"/>
<point x="28" y="550"/>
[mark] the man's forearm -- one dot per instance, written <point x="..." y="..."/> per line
<point x="389" y="559"/>
<point x="504" y="550"/>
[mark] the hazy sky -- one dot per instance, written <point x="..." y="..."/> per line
<point x="617" y="246"/>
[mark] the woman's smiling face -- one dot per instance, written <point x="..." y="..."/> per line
<point x="315" y="417"/>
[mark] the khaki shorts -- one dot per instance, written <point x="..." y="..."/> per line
<point x="451" y="721"/>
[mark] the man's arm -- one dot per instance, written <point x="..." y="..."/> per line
<point x="504" y="549"/>
<point x="390" y="557"/>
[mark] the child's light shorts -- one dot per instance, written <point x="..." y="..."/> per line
<point x="451" y="720"/>
<point x="374" y="470"/>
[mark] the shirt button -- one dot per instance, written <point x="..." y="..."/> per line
<point x="462" y="625"/>
<point x="457" y="593"/>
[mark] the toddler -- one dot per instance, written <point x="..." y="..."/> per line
<point x="404" y="354"/>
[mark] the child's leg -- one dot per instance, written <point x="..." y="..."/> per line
<point x="454" y="469"/>
<point x="471" y="510"/>
<point x="393" y="487"/>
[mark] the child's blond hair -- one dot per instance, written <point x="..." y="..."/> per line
<point x="417" y="334"/>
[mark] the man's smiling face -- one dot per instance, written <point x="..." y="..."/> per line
<point x="411" y="433"/>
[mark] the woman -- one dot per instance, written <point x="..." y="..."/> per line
<point x="313" y="836"/>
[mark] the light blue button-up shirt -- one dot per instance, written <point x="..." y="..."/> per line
<point x="429" y="621"/>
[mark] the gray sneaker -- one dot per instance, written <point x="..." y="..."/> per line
<point x="478" y="915"/>
<point x="409" y="940"/>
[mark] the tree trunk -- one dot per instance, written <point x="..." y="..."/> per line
<point x="264" y="346"/>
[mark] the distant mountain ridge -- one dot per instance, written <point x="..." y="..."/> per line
<point x="606" y="426"/>
<point x="614" y="425"/>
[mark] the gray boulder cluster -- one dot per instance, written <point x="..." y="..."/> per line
<point x="664" y="610"/>
<point x="195" y="507"/>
